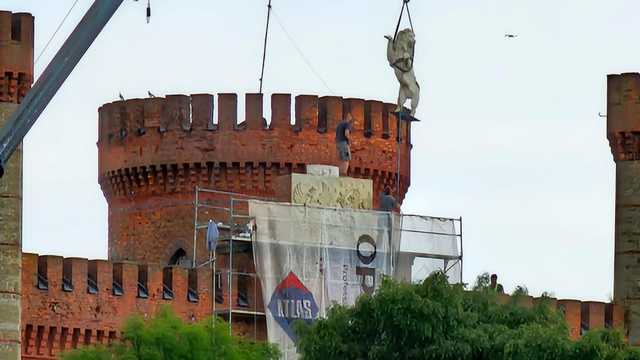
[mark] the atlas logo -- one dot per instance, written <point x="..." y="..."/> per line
<point x="292" y="301"/>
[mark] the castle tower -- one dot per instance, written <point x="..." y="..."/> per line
<point x="16" y="77"/>
<point x="623" y="132"/>
<point x="153" y="152"/>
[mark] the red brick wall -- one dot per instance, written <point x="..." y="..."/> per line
<point x="53" y="319"/>
<point x="153" y="152"/>
<point x="16" y="55"/>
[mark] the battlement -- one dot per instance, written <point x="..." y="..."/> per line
<point x="92" y="298"/>
<point x="623" y="115"/>
<point x="580" y="316"/>
<point x="141" y="135"/>
<point x="137" y="117"/>
<point x="16" y="55"/>
<point x="70" y="302"/>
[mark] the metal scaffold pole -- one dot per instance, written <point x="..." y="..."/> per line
<point x="230" y="271"/>
<point x="195" y="226"/>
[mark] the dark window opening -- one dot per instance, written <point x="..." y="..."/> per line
<point x="192" y="293"/>
<point x="99" y="336"/>
<point x="27" y="338"/>
<point x="16" y="28"/>
<point x="51" y="339"/>
<point x="386" y="133"/>
<point x="67" y="275"/>
<point x="75" y="337"/>
<point x="22" y="84"/>
<point x="92" y="278"/>
<point x="219" y="289"/>
<point x="368" y="127"/>
<point x="87" y="336"/>
<point x="584" y="318"/>
<point x="39" y="334"/>
<point x="178" y="258"/>
<point x="167" y="284"/>
<point x="243" y="290"/>
<point x="7" y="83"/>
<point x="112" y="337"/>
<point x="322" y="117"/>
<point x="608" y="316"/>
<point x="43" y="282"/>
<point x="117" y="280"/>
<point x="64" y="332"/>
<point x="143" y="291"/>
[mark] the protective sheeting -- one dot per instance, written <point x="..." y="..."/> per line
<point x="427" y="244"/>
<point x="309" y="258"/>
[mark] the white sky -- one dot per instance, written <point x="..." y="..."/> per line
<point x="510" y="138"/>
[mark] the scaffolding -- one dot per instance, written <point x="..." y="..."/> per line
<point x="424" y="261"/>
<point x="229" y="211"/>
<point x="243" y="299"/>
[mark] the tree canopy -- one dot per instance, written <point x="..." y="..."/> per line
<point x="436" y="320"/>
<point x="167" y="337"/>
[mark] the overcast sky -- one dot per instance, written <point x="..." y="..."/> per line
<point x="510" y="137"/>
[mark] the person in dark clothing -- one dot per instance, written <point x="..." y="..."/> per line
<point x="494" y="284"/>
<point x="387" y="201"/>
<point x="343" y="133"/>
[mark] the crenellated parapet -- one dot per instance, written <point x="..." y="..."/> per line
<point x="580" y="316"/>
<point x="168" y="144"/>
<point x="623" y="116"/>
<point x="70" y="302"/>
<point x="16" y="55"/>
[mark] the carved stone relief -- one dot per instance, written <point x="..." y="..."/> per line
<point x="331" y="191"/>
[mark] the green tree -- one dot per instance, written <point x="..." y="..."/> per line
<point x="167" y="337"/>
<point x="436" y="320"/>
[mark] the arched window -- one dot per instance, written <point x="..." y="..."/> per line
<point x="178" y="258"/>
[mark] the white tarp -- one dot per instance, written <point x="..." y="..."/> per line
<point x="309" y="258"/>
<point x="428" y="244"/>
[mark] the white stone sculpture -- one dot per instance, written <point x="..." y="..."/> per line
<point x="400" y="57"/>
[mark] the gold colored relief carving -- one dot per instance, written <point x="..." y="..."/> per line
<point x="331" y="191"/>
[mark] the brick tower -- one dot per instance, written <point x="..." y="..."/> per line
<point x="153" y="152"/>
<point x="16" y="76"/>
<point x="623" y="132"/>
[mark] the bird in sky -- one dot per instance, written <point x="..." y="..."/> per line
<point x="510" y="36"/>
<point x="120" y="96"/>
<point x="150" y="94"/>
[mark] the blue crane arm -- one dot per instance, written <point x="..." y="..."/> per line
<point x="53" y="77"/>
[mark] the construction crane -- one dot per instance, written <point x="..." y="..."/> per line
<point x="54" y="75"/>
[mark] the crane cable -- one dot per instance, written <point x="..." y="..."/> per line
<point x="405" y="3"/>
<point x="55" y="32"/>
<point x="264" y="49"/>
<point x="299" y="50"/>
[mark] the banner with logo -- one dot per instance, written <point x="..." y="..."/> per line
<point x="309" y="258"/>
